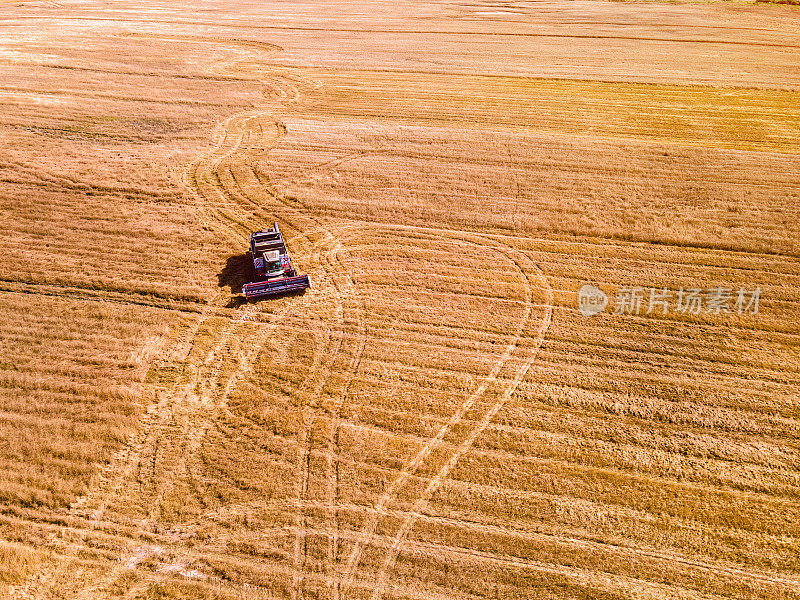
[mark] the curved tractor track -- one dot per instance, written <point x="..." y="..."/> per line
<point x="522" y="359"/>
<point x="214" y="356"/>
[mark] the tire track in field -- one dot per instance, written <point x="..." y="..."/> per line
<point x="248" y="186"/>
<point x="205" y="395"/>
<point x="169" y="446"/>
<point x="580" y="542"/>
<point x="344" y="288"/>
<point x="576" y="539"/>
<point x="112" y="480"/>
<point x="203" y="177"/>
<point x="236" y="135"/>
<point x="421" y="504"/>
<point x="309" y="419"/>
<point x="390" y="494"/>
<point x="110" y="483"/>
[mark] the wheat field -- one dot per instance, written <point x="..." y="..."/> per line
<point x="435" y="418"/>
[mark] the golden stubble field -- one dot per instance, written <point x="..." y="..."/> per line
<point x="434" y="419"/>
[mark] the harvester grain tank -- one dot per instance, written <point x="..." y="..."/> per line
<point x="274" y="273"/>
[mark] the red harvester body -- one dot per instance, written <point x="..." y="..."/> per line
<point x="274" y="273"/>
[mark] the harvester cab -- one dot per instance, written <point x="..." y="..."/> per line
<point x="272" y="267"/>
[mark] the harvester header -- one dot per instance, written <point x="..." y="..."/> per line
<point x="274" y="273"/>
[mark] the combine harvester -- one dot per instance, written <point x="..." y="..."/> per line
<point x="274" y="273"/>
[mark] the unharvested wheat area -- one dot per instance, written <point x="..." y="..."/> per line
<point x="434" y="419"/>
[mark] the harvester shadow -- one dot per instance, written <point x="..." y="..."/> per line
<point x="237" y="271"/>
